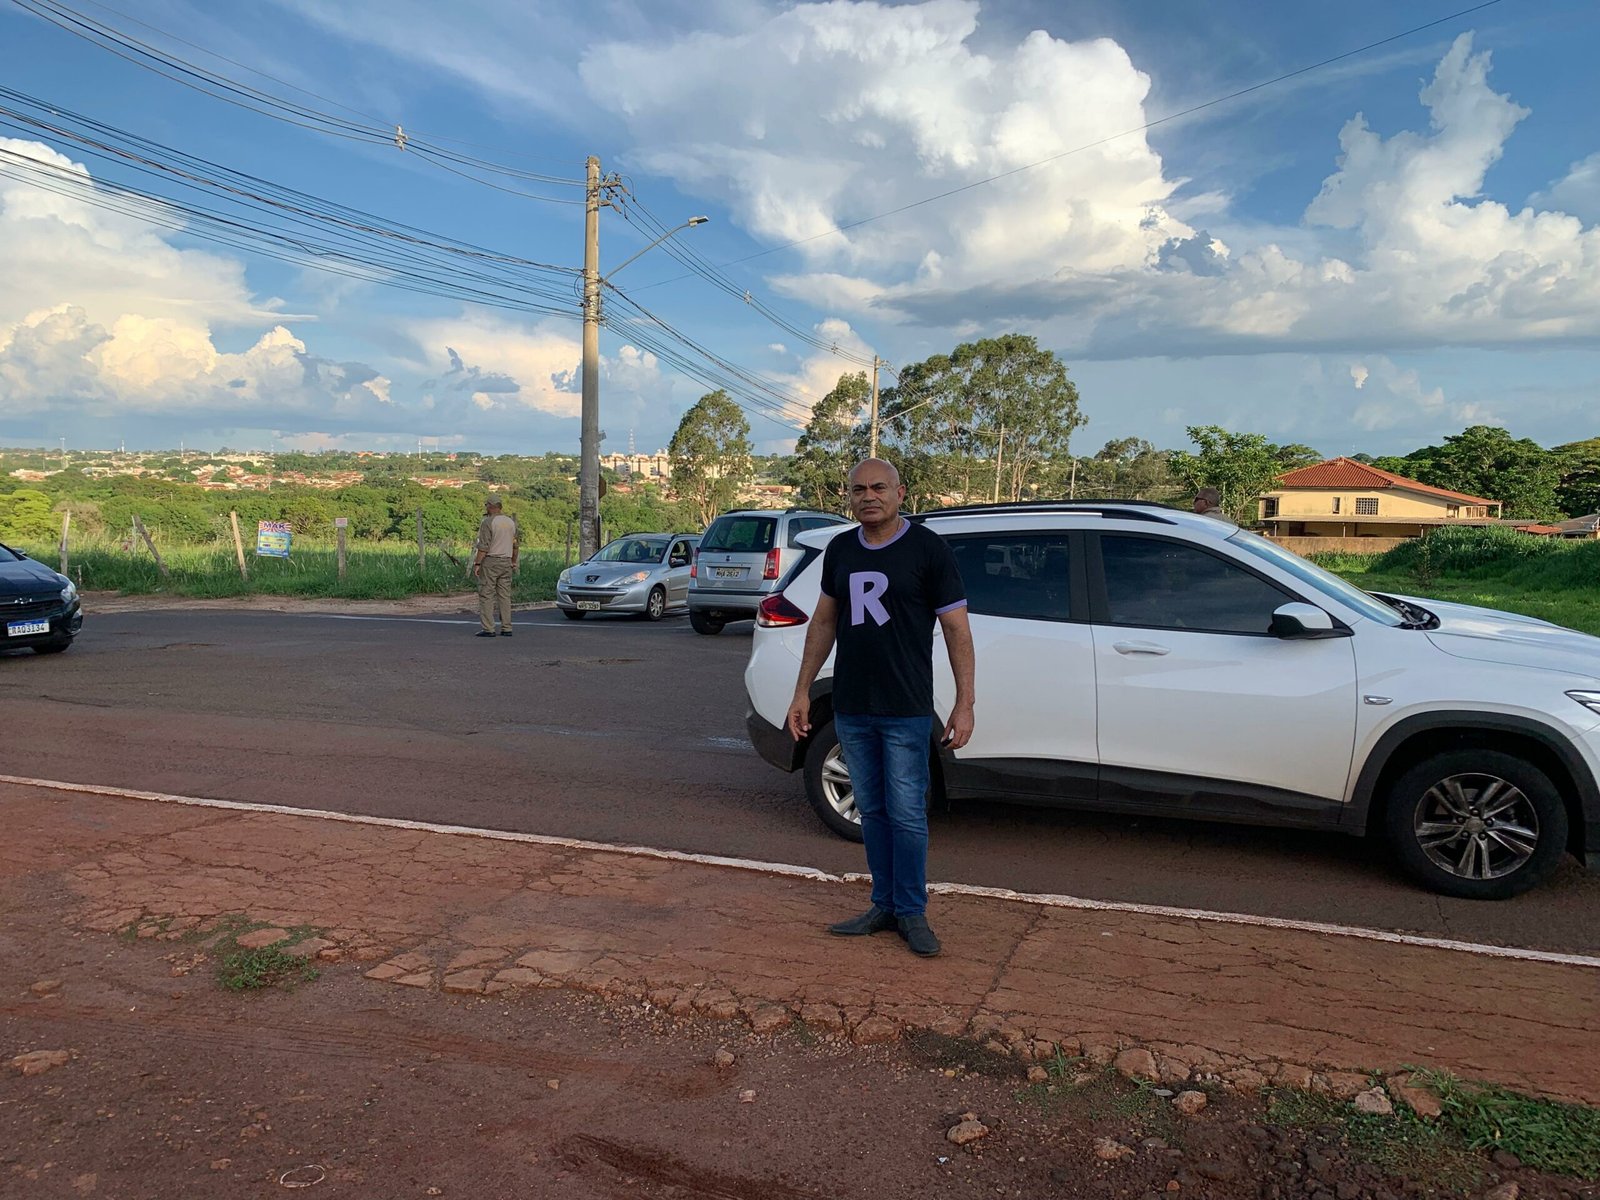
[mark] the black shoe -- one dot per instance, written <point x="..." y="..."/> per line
<point x="505" y="633"/>
<point x="874" y="920"/>
<point x="919" y="937"/>
<point x="483" y="633"/>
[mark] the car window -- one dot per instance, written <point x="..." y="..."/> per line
<point x="1013" y="575"/>
<point x="679" y="550"/>
<point x="799" y="525"/>
<point x="740" y="535"/>
<point x="1324" y="581"/>
<point x="632" y="550"/>
<point x="1168" y="585"/>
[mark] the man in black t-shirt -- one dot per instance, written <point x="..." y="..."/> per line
<point x="883" y="586"/>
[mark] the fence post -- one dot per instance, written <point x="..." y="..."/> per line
<point x="422" y="548"/>
<point x="145" y="534"/>
<point x="566" y="557"/>
<point x="238" y="545"/>
<point x="66" y="524"/>
<point x="339" y="525"/>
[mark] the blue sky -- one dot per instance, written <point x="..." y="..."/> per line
<point x="1368" y="257"/>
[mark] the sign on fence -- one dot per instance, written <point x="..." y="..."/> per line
<point x="273" y="539"/>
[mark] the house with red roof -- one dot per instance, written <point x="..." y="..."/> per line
<point x="1348" y="499"/>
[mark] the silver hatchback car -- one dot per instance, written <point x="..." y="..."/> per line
<point x="742" y="558"/>
<point x="646" y="574"/>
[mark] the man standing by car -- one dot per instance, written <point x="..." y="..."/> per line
<point x="1208" y="503"/>
<point x="498" y="548"/>
<point x="889" y="581"/>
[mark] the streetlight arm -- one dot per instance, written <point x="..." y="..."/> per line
<point x="689" y="224"/>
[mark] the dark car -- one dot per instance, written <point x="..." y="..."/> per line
<point x="39" y="607"/>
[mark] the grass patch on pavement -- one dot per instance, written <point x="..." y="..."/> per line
<point x="1403" y="1144"/>
<point x="251" y="968"/>
<point x="1547" y="1134"/>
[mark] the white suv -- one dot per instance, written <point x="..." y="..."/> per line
<point x="1139" y="659"/>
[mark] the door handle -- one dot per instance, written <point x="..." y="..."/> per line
<point x="1139" y="648"/>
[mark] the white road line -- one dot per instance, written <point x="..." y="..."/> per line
<point x="1038" y="899"/>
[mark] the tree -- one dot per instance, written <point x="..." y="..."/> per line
<point x="1122" y="469"/>
<point x="1484" y="460"/>
<point x="820" y="468"/>
<point x="25" y="516"/>
<point x="710" y="456"/>
<point x="985" y="421"/>
<point x="1578" y="493"/>
<point x="1239" y="465"/>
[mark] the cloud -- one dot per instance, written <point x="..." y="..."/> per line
<point x="1399" y="250"/>
<point x="1577" y="192"/>
<point x="1359" y="374"/>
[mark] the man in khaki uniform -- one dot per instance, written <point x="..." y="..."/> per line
<point x="498" y="547"/>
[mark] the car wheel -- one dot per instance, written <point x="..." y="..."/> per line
<point x="702" y="622"/>
<point x="656" y="606"/>
<point x="573" y="614"/>
<point x="1479" y="824"/>
<point x="55" y="647"/>
<point x="828" y="784"/>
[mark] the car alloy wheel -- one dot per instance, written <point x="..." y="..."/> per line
<point x="656" y="605"/>
<point x="836" y="787"/>
<point x="1477" y="826"/>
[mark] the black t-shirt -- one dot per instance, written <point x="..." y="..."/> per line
<point x="889" y="596"/>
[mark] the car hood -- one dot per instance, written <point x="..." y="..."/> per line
<point x="1488" y="635"/>
<point x="28" y="578"/>
<point x="607" y="573"/>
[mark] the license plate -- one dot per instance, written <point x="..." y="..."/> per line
<point x="26" y="628"/>
<point x="588" y="605"/>
<point x="729" y="572"/>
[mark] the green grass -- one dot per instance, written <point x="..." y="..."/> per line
<point x="375" y="571"/>
<point x="241" y="969"/>
<point x="1549" y="1135"/>
<point x="1403" y="1144"/>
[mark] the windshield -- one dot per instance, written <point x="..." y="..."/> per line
<point x="633" y="549"/>
<point x="9" y="555"/>
<point x="1313" y="576"/>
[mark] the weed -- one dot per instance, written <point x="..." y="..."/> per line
<point x="1402" y="1144"/>
<point x="1549" y="1135"/>
<point x="243" y="970"/>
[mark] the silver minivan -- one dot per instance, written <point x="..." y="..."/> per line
<point x="742" y="557"/>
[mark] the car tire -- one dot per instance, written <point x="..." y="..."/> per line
<point x="573" y="614"/>
<point x="656" y="606"/>
<point x="55" y="647"/>
<point x="702" y="622"/>
<point x="1450" y="820"/>
<point x="828" y="784"/>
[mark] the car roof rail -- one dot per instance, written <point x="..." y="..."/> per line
<point x="1130" y="510"/>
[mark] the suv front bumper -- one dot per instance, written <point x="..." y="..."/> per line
<point x="65" y="622"/>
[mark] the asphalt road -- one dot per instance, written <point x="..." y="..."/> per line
<point x="622" y="731"/>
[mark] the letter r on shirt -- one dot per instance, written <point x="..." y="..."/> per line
<point x="865" y="588"/>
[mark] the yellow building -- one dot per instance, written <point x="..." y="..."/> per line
<point x="1343" y="498"/>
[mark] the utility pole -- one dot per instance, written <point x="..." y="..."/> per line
<point x="589" y="431"/>
<point x="999" y="456"/>
<point x="872" y="451"/>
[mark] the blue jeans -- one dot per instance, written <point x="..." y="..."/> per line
<point x="888" y="762"/>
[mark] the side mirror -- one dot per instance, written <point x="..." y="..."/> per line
<point x="1302" y="622"/>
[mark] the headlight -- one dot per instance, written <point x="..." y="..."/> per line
<point x="1590" y="700"/>
<point x="69" y="593"/>
<point x="636" y="577"/>
<point x="564" y="576"/>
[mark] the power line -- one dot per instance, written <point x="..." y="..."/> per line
<point x="220" y="87"/>
<point x="1148" y="125"/>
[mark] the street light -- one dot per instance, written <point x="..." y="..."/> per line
<point x="589" y="444"/>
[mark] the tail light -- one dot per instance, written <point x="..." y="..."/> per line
<point x="770" y="571"/>
<point x="777" y="611"/>
<point x="694" y="563"/>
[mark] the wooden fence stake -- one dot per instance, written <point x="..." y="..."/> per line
<point x="566" y="559"/>
<point x="238" y="545"/>
<point x="340" y="531"/>
<point x="422" y="548"/>
<point x="156" y="554"/>
<point x="66" y="524"/>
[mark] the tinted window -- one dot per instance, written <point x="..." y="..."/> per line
<point x="632" y="550"/>
<point x="740" y="535"/>
<point x="799" y="525"/>
<point x="1008" y="575"/>
<point x="1168" y="585"/>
